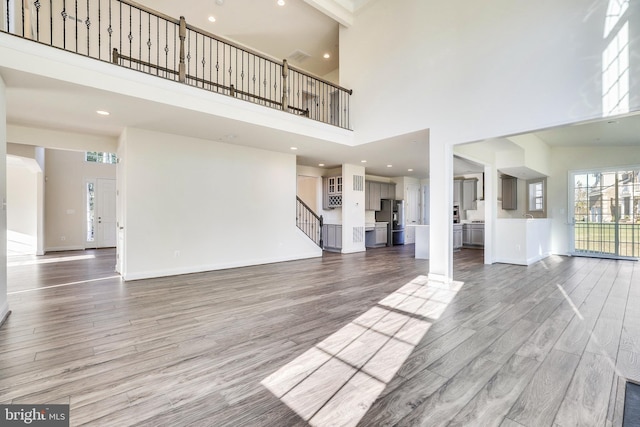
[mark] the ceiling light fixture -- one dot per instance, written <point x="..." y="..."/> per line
<point x="326" y="56"/>
<point x="409" y="170"/>
<point x="103" y="113"/>
<point x="281" y="3"/>
<point x="363" y="161"/>
<point x="321" y="164"/>
<point x="212" y="19"/>
<point x="389" y="166"/>
<point x="294" y="148"/>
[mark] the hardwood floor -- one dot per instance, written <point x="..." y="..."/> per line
<point x="361" y="339"/>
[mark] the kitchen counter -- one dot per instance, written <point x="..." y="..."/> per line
<point x="422" y="240"/>
<point x="522" y="241"/>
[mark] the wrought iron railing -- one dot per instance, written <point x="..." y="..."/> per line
<point x="133" y="36"/>
<point x="309" y="222"/>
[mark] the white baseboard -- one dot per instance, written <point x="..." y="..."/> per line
<point x="212" y="267"/>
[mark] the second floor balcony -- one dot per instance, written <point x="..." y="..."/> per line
<point x="132" y="36"/>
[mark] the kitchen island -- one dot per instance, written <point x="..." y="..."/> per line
<point x="422" y="240"/>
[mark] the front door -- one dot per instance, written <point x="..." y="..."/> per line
<point x="606" y="205"/>
<point x="101" y="213"/>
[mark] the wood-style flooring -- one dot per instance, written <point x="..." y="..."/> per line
<point x="361" y="339"/>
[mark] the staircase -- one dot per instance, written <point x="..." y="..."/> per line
<point x="309" y="222"/>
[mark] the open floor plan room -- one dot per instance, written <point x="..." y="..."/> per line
<point x="362" y="339"/>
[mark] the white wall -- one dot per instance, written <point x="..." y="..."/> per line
<point x="65" y="203"/>
<point x="353" y="217"/>
<point x="473" y="70"/>
<point x="4" y="305"/>
<point x="468" y="71"/>
<point x="191" y="205"/>
<point x="23" y="176"/>
<point x="564" y="160"/>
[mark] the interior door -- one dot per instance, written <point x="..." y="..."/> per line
<point x="101" y="213"/>
<point x="106" y="213"/>
<point x="605" y="213"/>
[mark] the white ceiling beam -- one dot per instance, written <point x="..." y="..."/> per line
<point x="339" y="10"/>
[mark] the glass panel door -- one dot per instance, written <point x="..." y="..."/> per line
<point x="606" y="208"/>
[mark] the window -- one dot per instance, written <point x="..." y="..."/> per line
<point x="535" y="195"/>
<point x="100" y="157"/>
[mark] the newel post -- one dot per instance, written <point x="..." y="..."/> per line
<point x="285" y="73"/>
<point x="182" y="74"/>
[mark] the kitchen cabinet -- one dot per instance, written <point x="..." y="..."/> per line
<point x="374" y="196"/>
<point x="457" y="191"/>
<point x="469" y="194"/>
<point x="509" y="192"/>
<point x="473" y="234"/>
<point x="457" y="236"/>
<point x="376" y="191"/>
<point x="332" y="237"/>
<point x="381" y="234"/>
<point x="332" y="192"/>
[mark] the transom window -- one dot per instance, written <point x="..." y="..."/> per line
<point x="101" y="157"/>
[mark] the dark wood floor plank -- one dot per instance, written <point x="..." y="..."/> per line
<point x="197" y="349"/>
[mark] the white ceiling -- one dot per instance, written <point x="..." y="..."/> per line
<point x="276" y="31"/>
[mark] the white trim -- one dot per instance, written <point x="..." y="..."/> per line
<point x="214" y="267"/>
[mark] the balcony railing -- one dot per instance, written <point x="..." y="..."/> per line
<point x="133" y="36"/>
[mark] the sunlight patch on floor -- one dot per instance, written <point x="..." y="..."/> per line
<point x="337" y="381"/>
<point x="49" y="260"/>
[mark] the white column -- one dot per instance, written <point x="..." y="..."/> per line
<point x="352" y="209"/>
<point x="4" y="304"/>
<point x="490" y="211"/>
<point x="441" y="210"/>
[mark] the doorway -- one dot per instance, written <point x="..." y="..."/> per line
<point x="605" y="207"/>
<point x="101" y="213"/>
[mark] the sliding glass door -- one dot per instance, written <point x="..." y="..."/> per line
<point x="605" y="207"/>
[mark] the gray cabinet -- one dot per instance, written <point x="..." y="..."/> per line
<point x="473" y="234"/>
<point x="374" y="196"/>
<point x="509" y="192"/>
<point x="376" y="191"/>
<point x="457" y="191"/>
<point x="469" y="194"/>
<point x="332" y="237"/>
<point x="332" y="192"/>
<point x="477" y="234"/>
<point x="457" y="236"/>
<point x="466" y="234"/>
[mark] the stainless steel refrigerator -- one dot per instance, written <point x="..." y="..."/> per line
<point x="392" y="212"/>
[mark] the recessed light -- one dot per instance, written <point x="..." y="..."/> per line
<point x="219" y="2"/>
<point x="103" y="113"/>
<point x="389" y="166"/>
<point x="409" y="170"/>
<point x="326" y="56"/>
<point x="280" y="2"/>
<point x="363" y="161"/>
<point x="321" y="164"/>
<point x="294" y="148"/>
<point x="212" y="19"/>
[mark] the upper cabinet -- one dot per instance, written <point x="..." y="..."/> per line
<point x="509" y="192"/>
<point x="469" y="194"/>
<point x="457" y="192"/>
<point x="376" y="191"/>
<point x="465" y="193"/>
<point x="332" y="186"/>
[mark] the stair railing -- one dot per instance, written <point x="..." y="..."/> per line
<point x="309" y="222"/>
<point x="133" y="36"/>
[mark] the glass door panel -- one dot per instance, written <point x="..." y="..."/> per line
<point x="605" y="213"/>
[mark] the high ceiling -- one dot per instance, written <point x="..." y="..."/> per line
<point x="277" y="31"/>
<point x="261" y="25"/>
